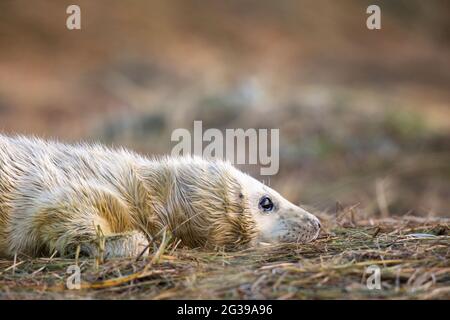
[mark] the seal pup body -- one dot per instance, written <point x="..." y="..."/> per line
<point x="55" y="196"/>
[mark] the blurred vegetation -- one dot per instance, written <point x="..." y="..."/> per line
<point x="360" y="112"/>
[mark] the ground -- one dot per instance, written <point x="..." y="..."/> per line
<point x="412" y="253"/>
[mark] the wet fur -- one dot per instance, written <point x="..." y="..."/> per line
<point x="55" y="196"/>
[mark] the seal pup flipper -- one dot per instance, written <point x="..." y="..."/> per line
<point x="122" y="245"/>
<point x="91" y="217"/>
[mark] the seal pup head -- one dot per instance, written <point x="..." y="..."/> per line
<point x="213" y="204"/>
<point x="277" y="219"/>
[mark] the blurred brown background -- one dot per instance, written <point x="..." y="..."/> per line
<point x="364" y="116"/>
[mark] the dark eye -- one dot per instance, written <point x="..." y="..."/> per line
<point x="266" y="204"/>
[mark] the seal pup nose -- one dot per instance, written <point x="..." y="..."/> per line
<point x="317" y="224"/>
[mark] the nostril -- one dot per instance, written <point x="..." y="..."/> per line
<point x="317" y="224"/>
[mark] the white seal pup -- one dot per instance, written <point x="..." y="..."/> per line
<point x="56" y="196"/>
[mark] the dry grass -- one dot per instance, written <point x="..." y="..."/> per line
<point x="413" y="254"/>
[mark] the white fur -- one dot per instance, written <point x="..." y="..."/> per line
<point x="55" y="196"/>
